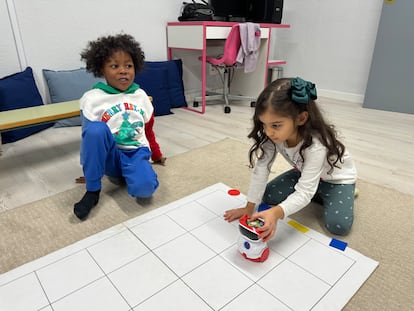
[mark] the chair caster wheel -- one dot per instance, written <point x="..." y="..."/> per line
<point x="195" y="104"/>
<point x="227" y="109"/>
<point x="252" y="104"/>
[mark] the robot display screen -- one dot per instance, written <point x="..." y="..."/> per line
<point x="247" y="233"/>
<point x="249" y="228"/>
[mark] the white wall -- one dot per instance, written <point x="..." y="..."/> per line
<point x="53" y="33"/>
<point x="9" y="62"/>
<point x="330" y="42"/>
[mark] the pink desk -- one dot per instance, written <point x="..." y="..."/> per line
<point x="189" y="40"/>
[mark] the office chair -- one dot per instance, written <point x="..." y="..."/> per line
<point x="226" y="64"/>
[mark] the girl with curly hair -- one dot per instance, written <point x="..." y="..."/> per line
<point x="288" y="121"/>
<point x="117" y="120"/>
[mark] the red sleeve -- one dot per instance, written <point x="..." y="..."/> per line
<point x="149" y="133"/>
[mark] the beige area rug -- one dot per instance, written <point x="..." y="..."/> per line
<point x="382" y="230"/>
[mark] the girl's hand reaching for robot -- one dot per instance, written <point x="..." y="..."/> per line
<point x="270" y="218"/>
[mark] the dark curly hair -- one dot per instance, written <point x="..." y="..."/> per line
<point x="277" y="95"/>
<point x="97" y="52"/>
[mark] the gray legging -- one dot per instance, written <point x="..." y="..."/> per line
<point x="337" y="200"/>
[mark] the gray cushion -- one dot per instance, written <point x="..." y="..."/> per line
<point x="66" y="85"/>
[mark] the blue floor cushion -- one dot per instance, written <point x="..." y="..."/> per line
<point x="19" y="90"/>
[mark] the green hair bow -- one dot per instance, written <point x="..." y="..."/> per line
<point x="302" y="90"/>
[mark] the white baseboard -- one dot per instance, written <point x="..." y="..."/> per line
<point x="350" y="97"/>
<point x="190" y="94"/>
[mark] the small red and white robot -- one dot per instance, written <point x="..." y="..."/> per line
<point x="249" y="244"/>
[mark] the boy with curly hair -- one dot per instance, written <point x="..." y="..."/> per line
<point x="117" y="119"/>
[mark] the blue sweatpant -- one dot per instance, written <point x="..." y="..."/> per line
<point x="101" y="156"/>
<point x="337" y="200"/>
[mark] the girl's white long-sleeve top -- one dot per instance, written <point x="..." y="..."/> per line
<point x="314" y="168"/>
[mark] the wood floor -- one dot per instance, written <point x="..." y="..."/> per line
<point x="382" y="145"/>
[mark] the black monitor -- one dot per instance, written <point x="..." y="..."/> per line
<point x="258" y="11"/>
<point x="229" y="10"/>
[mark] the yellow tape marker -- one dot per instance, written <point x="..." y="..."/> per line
<point x="298" y="226"/>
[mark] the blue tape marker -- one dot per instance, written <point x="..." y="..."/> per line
<point x="338" y="244"/>
<point x="262" y="207"/>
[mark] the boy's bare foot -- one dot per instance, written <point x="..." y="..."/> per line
<point x="80" y="180"/>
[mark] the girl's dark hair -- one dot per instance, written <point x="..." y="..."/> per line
<point x="278" y="96"/>
<point x="97" y="52"/>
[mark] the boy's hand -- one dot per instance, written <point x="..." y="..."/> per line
<point x="160" y="161"/>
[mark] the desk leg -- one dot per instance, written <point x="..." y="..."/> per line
<point x="170" y="57"/>
<point x="203" y="82"/>
<point x="203" y="79"/>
